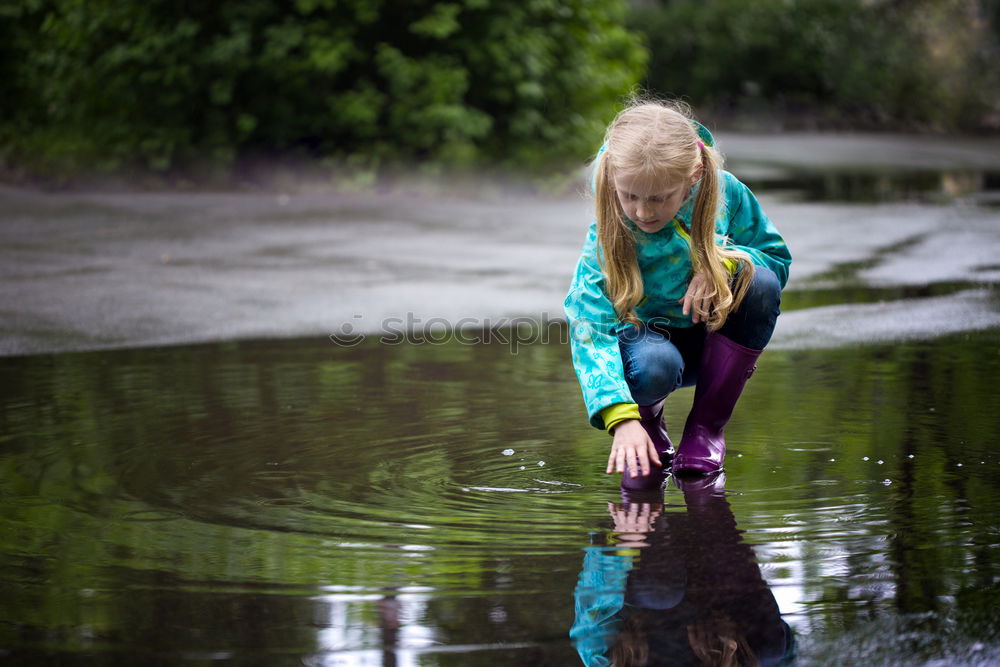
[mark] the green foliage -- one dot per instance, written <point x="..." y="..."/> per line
<point x="108" y="85"/>
<point x="929" y="64"/>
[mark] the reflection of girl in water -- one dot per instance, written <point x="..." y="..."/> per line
<point x="678" y="589"/>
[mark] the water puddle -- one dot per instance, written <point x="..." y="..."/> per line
<point x="866" y="186"/>
<point x="445" y="505"/>
<point x="868" y="168"/>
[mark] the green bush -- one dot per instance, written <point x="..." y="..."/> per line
<point x="926" y="64"/>
<point x="108" y="85"/>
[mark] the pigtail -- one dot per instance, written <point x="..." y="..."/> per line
<point x="616" y="245"/>
<point x="708" y="256"/>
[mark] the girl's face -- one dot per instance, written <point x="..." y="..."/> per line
<point x="649" y="205"/>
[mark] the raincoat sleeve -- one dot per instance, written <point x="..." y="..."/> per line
<point x="593" y="327"/>
<point x="750" y="230"/>
<point x="598" y="601"/>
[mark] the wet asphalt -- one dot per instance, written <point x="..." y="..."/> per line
<point x="98" y="270"/>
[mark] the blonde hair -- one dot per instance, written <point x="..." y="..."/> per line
<point x="657" y="141"/>
<point x="719" y="642"/>
<point x="631" y="645"/>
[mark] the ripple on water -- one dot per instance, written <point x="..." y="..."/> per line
<point x="418" y="498"/>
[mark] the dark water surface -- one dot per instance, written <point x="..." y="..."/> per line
<point x="301" y="503"/>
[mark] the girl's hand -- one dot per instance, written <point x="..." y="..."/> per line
<point x="632" y="451"/>
<point x="695" y="300"/>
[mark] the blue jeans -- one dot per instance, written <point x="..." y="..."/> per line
<point x="659" y="359"/>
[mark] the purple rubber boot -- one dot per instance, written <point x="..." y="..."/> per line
<point x="651" y="418"/>
<point x="725" y="368"/>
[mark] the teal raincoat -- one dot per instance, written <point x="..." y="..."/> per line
<point x="665" y="263"/>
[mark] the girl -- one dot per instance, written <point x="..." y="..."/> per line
<point x="679" y="283"/>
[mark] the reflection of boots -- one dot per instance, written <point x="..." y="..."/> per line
<point x="702" y="489"/>
<point x="651" y="418"/>
<point x="725" y="368"/>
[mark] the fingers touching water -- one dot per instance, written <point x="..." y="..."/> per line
<point x="632" y="451"/>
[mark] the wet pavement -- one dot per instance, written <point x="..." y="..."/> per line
<point x="93" y="271"/>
